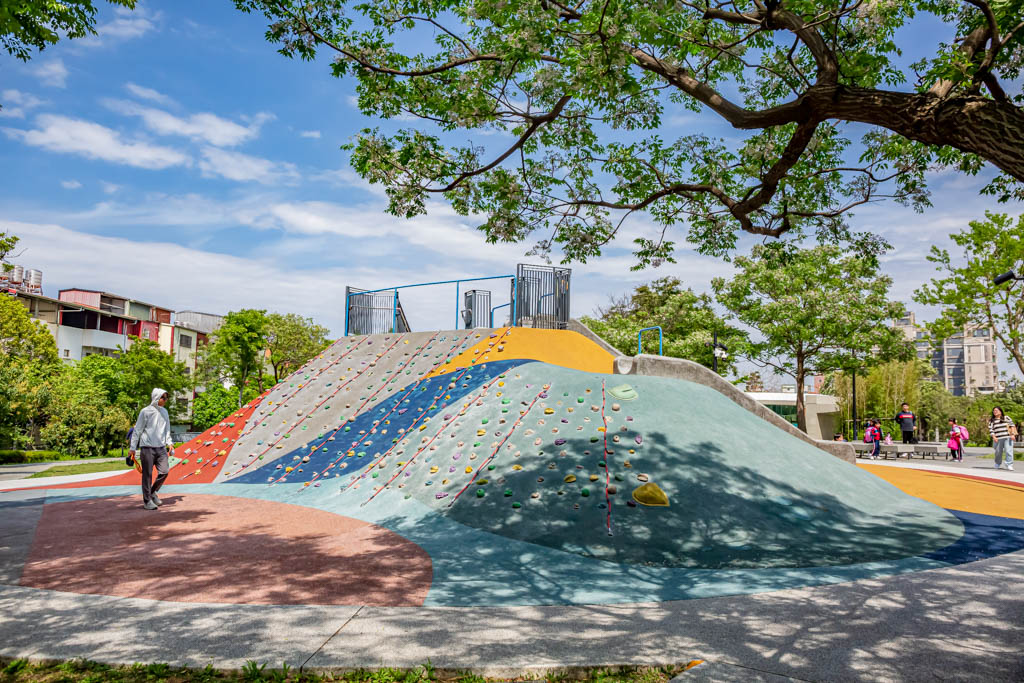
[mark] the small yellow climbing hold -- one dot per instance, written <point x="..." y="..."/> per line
<point x="433" y="469"/>
<point x="517" y="468"/>
<point x="469" y="470"/>
<point x="569" y="478"/>
<point x="288" y="469"/>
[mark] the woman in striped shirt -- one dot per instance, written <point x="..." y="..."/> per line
<point x="1003" y="433"/>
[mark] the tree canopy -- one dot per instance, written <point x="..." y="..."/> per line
<point x="687" y="319"/>
<point x="34" y="24"/>
<point x="815" y="308"/>
<point x="292" y="340"/>
<point x="965" y="290"/>
<point x="576" y="98"/>
<point x="128" y="379"/>
<point x="236" y="351"/>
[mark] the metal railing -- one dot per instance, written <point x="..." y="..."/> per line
<point x="640" y="341"/>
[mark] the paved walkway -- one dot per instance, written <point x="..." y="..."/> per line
<point x="25" y="470"/>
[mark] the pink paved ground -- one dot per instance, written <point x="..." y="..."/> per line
<point x="220" y="549"/>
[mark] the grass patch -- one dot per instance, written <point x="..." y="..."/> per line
<point x="81" y="468"/>
<point x="84" y="671"/>
<point x="29" y="457"/>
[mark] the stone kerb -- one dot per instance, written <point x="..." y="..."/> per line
<point x="677" y="368"/>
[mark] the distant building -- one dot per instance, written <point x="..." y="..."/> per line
<point x="86" y="322"/>
<point x="207" y="323"/>
<point x="821" y="410"/>
<point x="754" y="383"/>
<point x="966" y="363"/>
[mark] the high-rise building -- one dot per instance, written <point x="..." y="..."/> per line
<point x="966" y="363"/>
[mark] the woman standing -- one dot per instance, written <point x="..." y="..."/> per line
<point x="1003" y="433"/>
<point x="956" y="440"/>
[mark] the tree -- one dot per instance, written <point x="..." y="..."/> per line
<point x="579" y="94"/>
<point x="214" y="404"/>
<point x="236" y="351"/>
<point x="815" y="308"/>
<point x="81" y="422"/>
<point x="292" y="340"/>
<point x="882" y="390"/>
<point x="128" y="379"/>
<point x="28" y="24"/>
<point x="687" y="319"/>
<point x="966" y="292"/>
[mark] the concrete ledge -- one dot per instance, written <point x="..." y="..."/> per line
<point x="677" y="368"/>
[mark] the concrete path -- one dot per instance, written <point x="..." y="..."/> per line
<point x="974" y="467"/>
<point x="25" y="470"/>
<point x="963" y="623"/>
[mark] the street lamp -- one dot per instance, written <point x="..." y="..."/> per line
<point x="1006" y="277"/>
<point x="719" y="351"/>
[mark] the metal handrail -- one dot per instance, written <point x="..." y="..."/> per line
<point x="639" y="339"/>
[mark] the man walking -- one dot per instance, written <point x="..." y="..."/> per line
<point x="906" y="421"/>
<point x="152" y="435"/>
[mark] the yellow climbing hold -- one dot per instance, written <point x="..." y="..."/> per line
<point x="549" y="411"/>
<point x="469" y="470"/>
<point x="517" y="468"/>
<point x="288" y="469"/>
<point x="569" y="478"/>
<point x="481" y="432"/>
<point x="650" y="494"/>
<point x="433" y="469"/>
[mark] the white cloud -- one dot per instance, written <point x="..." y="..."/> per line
<point x="244" y="167"/>
<point x="109" y="188"/>
<point x="310" y="134"/>
<point x="16" y="103"/>
<point x="93" y="141"/>
<point x="70" y="184"/>
<point x="126" y="25"/>
<point x="148" y="94"/>
<point x="52" y="73"/>
<point x="202" y="127"/>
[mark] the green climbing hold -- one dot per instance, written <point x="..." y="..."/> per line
<point x="593" y="439"/>
<point x="579" y="400"/>
<point x="623" y="392"/>
<point x="476" y="444"/>
<point x="490" y="467"/>
<point x="508" y="492"/>
<point x="584" y="492"/>
<point x="479" y="493"/>
<point x="517" y="505"/>
<point x="484" y="421"/>
<point x="375" y="475"/>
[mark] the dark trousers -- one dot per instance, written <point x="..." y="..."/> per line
<point x="876" y="449"/>
<point x="908" y="437"/>
<point x="150" y="457"/>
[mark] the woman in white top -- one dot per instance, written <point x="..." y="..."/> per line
<point x="1003" y="433"/>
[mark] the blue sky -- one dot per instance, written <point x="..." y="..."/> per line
<point x="178" y="159"/>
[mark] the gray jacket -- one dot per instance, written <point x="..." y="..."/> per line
<point x="153" y="428"/>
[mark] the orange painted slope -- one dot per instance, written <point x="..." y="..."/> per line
<point x="558" y="347"/>
<point x="981" y="496"/>
<point x="185" y="473"/>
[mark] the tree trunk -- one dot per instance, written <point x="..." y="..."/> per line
<point x="971" y="123"/>
<point x="801" y="417"/>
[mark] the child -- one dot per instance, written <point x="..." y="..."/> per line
<point x="876" y="438"/>
<point x="956" y="441"/>
<point x="1003" y="433"/>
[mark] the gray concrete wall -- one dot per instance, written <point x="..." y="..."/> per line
<point x="677" y="368"/>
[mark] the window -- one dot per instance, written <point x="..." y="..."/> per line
<point x="67" y="353"/>
<point x="184" y="341"/>
<point x="981" y="333"/>
<point x="145" y="333"/>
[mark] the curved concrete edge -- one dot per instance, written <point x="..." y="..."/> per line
<point x="678" y="368"/>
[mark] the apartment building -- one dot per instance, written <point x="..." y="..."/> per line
<point x="967" y="361"/>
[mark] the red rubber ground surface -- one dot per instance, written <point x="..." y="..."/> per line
<point x="221" y="549"/>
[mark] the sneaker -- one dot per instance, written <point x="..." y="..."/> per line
<point x="1009" y="467"/>
<point x="150" y="505"/>
<point x="156" y="500"/>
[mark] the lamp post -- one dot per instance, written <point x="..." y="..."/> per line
<point x="1006" y="277"/>
<point x="718" y="351"/>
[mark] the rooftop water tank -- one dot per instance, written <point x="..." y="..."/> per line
<point x="17" y="275"/>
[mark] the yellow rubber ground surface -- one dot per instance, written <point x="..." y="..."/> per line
<point x="956" y="493"/>
<point x="558" y="347"/>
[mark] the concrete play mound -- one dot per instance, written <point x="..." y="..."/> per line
<point x="506" y="466"/>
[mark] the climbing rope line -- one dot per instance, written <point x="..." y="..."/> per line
<point x="607" y="464"/>
<point x="494" y="453"/>
<point x="486" y="387"/>
<point x="437" y="397"/>
<point x="373" y="429"/>
<point x="398" y="402"/>
<point x="359" y="374"/>
<point x="312" y="379"/>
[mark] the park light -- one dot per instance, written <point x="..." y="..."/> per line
<point x="1006" y="277"/>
